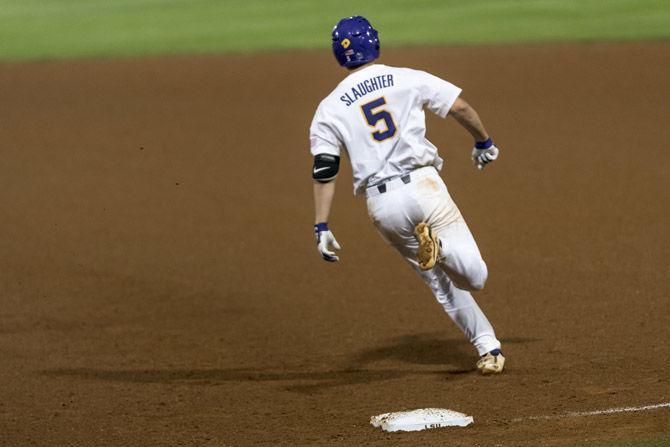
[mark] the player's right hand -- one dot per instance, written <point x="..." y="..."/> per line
<point x="484" y="153"/>
<point x="324" y="239"/>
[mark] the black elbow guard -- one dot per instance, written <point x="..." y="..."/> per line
<point x="325" y="167"/>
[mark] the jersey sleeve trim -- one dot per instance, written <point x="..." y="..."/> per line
<point x="319" y="145"/>
<point x="323" y="135"/>
<point x="437" y="94"/>
<point x="444" y="110"/>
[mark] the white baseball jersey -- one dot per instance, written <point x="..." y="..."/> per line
<point x="377" y="115"/>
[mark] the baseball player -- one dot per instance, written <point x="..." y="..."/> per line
<point x="376" y="115"/>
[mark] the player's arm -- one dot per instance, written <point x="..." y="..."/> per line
<point x="324" y="173"/>
<point x="469" y="119"/>
<point x="323" y="200"/>
<point x="484" y="151"/>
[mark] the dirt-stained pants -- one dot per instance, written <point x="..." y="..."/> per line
<point x="460" y="268"/>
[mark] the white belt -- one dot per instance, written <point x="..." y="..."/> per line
<point x="399" y="181"/>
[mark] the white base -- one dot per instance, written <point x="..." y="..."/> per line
<point x="421" y="419"/>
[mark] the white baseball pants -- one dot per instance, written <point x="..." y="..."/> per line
<point x="460" y="266"/>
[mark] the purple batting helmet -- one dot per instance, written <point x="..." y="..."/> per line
<point x="355" y="42"/>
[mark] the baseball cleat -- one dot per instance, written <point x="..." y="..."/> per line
<point x="492" y="362"/>
<point x="429" y="246"/>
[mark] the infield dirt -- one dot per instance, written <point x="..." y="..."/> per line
<point x="160" y="284"/>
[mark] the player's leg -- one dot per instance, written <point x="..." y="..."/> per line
<point x="459" y="304"/>
<point x="462" y="308"/>
<point x="396" y="214"/>
<point x="460" y="268"/>
<point x="459" y="255"/>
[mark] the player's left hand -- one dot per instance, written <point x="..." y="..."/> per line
<point x="324" y="239"/>
<point x="484" y="153"/>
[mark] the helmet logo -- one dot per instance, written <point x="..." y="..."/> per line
<point x="345" y="43"/>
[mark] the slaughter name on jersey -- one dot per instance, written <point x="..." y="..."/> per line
<point x="376" y="114"/>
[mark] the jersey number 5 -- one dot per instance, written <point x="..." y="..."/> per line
<point x="373" y="118"/>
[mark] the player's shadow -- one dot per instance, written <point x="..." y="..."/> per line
<point x="416" y="354"/>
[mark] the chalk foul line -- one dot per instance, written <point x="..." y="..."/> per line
<point x="575" y="414"/>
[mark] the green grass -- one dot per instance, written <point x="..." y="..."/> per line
<point x="34" y="29"/>
<point x="659" y="441"/>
